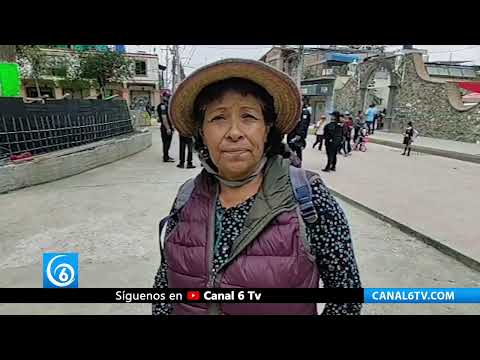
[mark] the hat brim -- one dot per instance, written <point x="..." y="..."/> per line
<point x="285" y="93"/>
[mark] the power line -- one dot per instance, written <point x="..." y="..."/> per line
<point x="191" y="54"/>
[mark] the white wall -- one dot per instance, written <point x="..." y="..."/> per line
<point x="151" y="65"/>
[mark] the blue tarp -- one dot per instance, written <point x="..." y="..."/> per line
<point x="346" y="58"/>
<point x="120" y="49"/>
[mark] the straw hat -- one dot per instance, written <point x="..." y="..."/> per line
<point x="280" y="86"/>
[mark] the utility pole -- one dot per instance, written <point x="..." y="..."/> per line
<point x="166" y="70"/>
<point x="300" y="67"/>
<point x="175" y="67"/>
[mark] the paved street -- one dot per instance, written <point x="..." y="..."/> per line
<point x="110" y="216"/>
<point x="441" y="144"/>
<point x="433" y="195"/>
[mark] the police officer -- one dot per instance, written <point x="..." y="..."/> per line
<point x="166" y="128"/>
<point x="333" y="135"/>
<point x="297" y="139"/>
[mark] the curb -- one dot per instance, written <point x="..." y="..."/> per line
<point x="61" y="164"/>
<point x="468" y="261"/>
<point x="428" y="150"/>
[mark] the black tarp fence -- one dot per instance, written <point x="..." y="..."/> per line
<point x="59" y="124"/>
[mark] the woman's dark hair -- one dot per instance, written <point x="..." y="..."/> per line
<point x="410" y="123"/>
<point x="215" y="91"/>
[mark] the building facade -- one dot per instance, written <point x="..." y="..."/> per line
<point x="324" y="70"/>
<point x="143" y="89"/>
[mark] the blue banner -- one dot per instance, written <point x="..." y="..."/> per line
<point x="422" y="295"/>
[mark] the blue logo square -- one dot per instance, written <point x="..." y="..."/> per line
<point x="60" y="270"/>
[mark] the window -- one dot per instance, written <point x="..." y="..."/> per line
<point x="323" y="90"/>
<point x="468" y="73"/>
<point x="457" y="72"/>
<point x="326" y="72"/>
<point x="432" y="70"/>
<point x="32" y="92"/>
<point x="442" y="71"/>
<point x="140" y="67"/>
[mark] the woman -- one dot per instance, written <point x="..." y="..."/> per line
<point x="238" y="223"/>
<point x="358" y="124"/>
<point x="347" y="135"/>
<point x="319" y="127"/>
<point x="409" y="136"/>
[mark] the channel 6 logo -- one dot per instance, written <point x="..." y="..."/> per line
<point x="60" y="270"/>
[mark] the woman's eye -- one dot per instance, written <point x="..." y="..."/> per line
<point x="249" y="116"/>
<point x="219" y="117"/>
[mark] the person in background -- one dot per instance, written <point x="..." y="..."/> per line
<point x="148" y="109"/>
<point x="186" y="142"/>
<point x="340" y="146"/>
<point x="333" y="138"/>
<point x="347" y="135"/>
<point x="357" y="125"/>
<point x="166" y="129"/>
<point x="360" y="143"/>
<point x="297" y="138"/>
<point x="410" y="135"/>
<point x="319" y="129"/>
<point x="381" y="119"/>
<point x="371" y="112"/>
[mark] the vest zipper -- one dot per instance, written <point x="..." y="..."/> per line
<point x="213" y="308"/>
<point x="211" y="242"/>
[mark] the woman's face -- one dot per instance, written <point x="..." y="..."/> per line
<point x="235" y="133"/>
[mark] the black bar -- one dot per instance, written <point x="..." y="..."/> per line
<point x="133" y="295"/>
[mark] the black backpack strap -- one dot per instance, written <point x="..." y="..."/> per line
<point x="303" y="194"/>
<point x="183" y="195"/>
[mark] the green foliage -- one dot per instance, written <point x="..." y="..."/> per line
<point x="33" y="61"/>
<point x="75" y="85"/>
<point x="105" y="67"/>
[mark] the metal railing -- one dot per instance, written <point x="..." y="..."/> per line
<point x="57" y="125"/>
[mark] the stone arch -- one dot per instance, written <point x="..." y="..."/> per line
<point x="373" y="66"/>
<point x="369" y="70"/>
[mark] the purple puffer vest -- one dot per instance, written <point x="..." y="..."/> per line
<point x="271" y="252"/>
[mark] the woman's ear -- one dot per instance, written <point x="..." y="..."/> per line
<point x="200" y="132"/>
<point x="267" y="132"/>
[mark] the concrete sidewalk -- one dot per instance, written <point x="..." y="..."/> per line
<point x="435" y="198"/>
<point x="439" y="147"/>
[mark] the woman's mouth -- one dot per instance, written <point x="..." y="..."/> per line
<point x="235" y="152"/>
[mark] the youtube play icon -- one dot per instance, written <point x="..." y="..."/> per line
<point x="193" y="295"/>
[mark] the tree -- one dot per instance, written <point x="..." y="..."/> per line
<point x="7" y="53"/>
<point x="105" y="67"/>
<point x="34" y="62"/>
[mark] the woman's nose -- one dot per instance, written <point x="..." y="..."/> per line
<point x="235" y="132"/>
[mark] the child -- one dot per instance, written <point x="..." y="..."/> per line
<point x="410" y="135"/>
<point x="362" y="139"/>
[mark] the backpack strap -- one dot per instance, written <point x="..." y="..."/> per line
<point x="303" y="194"/>
<point x="183" y="195"/>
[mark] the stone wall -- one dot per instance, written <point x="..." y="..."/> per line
<point x="434" y="106"/>
<point x="348" y="97"/>
<point x="432" y="111"/>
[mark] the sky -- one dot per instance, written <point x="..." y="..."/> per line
<point x="194" y="56"/>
